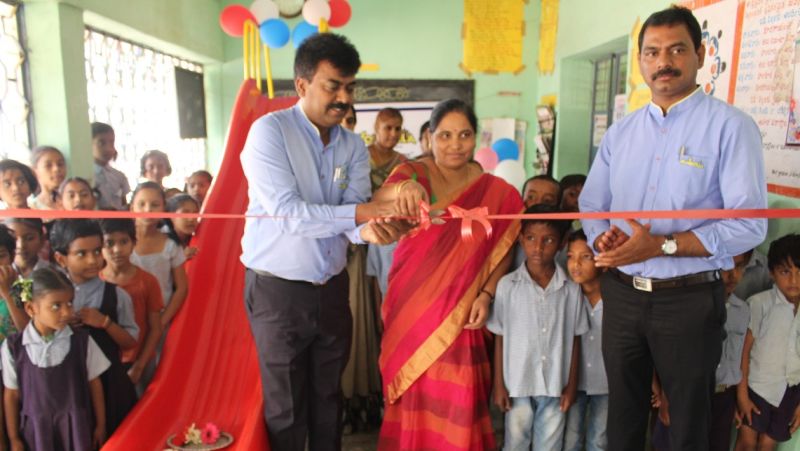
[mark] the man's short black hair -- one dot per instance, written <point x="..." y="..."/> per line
<point x="65" y="231"/>
<point x="330" y="47"/>
<point x="674" y="15"/>
<point x="124" y="225"/>
<point x="784" y="250"/>
<point x="568" y="181"/>
<point x="561" y="226"/>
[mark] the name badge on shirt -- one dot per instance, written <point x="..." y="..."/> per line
<point x="340" y="177"/>
<point x="687" y="160"/>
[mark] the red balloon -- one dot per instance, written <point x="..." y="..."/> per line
<point x="340" y="13"/>
<point x="232" y="19"/>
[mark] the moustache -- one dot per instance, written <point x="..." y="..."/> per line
<point x="340" y="105"/>
<point x="667" y="71"/>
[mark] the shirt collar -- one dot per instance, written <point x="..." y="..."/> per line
<point x="557" y="281"/>
<point x="681" y="105"/>
<point x="778" y="297"/>
<point x="736" y="301"/>
<point x="89" y="284"/>
<point x="597" y="307"/>
<point x="334" y="130"/>
<point x="31" y="336"/>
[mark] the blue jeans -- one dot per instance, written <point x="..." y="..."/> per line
<point x="586" y="421"/>
<point x="538" y="418"/>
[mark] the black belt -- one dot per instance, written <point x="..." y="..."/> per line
<point x="303" y="282"/>
<point x="650" y="284"/>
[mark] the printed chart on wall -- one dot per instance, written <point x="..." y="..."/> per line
<point x="768" y="86"/>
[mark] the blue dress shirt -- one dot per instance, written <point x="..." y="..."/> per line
<point x="312" y="188"/>
<point x="703" y="154"/>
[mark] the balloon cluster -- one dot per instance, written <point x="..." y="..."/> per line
<point x="502" y="160"/>
<point x="275" y="31"/>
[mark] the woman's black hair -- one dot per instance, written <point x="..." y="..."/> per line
<point x="27" y="172"/>
<point x="113" y="225"/>
<point x="448" y="106"/>
<point x="49" y="279"/>
<point x="8" y="241"/>
<point x="65" y="231"/>
<point x="155" y="154"/>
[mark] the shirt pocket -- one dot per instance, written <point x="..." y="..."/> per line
<point x="693" y="178"/>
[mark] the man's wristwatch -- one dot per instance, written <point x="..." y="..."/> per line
<point x="670" y="245"/>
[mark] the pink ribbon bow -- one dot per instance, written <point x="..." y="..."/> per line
<point x="479" y="215"/>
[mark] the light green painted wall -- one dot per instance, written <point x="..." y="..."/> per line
<point x="185" y="28"/>
<point x="415" y="39"/>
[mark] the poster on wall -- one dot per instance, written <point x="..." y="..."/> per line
<point x="793" y="128"/>
<point x="766" y="85"/>
<point x="719" y="26"/>
<point x="414" y="115"/>
<point x="492" y="36"/>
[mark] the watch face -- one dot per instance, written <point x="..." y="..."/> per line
<point x="289" y="8"/>
<point x="669" y="247"/>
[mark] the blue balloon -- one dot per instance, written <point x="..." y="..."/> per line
<point x="274" y="33"/>
<point x="506" y="149"/>
<point x="301" y="32"/>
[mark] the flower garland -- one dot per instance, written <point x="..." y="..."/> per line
<point x="194" y="436"/>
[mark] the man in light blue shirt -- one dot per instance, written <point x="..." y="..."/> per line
<point x="664" y="303"/>
<point x="311" y="177"/>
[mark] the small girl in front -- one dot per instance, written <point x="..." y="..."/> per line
<point x="183" y="229"/>
<point x="53" y="397"/>
<point x="50" y="167"/>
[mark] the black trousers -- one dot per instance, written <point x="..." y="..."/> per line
<point x="302" y="334"/>
<point x="679" y="332"/>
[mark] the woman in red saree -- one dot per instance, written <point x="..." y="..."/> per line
<point x="434" y="362"/>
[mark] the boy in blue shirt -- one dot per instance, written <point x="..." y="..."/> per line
<point x="537" y="316"/>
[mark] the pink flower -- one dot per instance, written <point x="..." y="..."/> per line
<point x="210" y="434"/>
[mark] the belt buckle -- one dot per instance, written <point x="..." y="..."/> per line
<point x="642" y="283"/>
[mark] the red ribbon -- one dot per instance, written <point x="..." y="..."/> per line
<point x="478" y="214"/>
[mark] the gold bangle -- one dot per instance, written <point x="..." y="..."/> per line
<point x="399" y="187"/>
<point x="106" y="322"/>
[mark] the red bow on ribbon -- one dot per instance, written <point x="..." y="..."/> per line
<point x="479" y="214"/>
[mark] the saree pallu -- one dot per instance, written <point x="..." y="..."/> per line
<point x="436" y="374"/>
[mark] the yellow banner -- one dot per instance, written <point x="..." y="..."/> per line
<point x="548" y="31"/>
<point x="492" y="36"/>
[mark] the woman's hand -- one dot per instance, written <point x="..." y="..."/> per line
<point x="479" y="312"/>
<point x="409" y="194"/>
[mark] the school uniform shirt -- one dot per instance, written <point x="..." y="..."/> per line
<point x="161" y="264"/>
<point x="538" y="328"/>
<point x="112" y="185"/>
<point x="291" y="174"/>
<point x="756" y="277"/>
<point x="592" y="374"/>
<point x="379" y="261"/>
<point x="729" y="370"/>
<point x="90" y="294"/>
<point x="774" y="358"/>
<point x="655" y="161"/>
<point x="49" y="353"/>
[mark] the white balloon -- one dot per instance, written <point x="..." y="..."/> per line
<point x="264" y="10"/>
<point x="512" y="172"/>
<point x="316" y="10"/>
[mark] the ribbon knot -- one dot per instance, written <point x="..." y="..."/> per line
<point x="478" y="214"/>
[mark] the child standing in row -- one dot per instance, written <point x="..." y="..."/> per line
<point x="586" y="420"/>
<point x="104" y="309"/>
<point x="119" y="238"/>
<point x="197" y="185"/>
<point x="12" y="317"/>
<point x="769" y="395"/>
<point x="17" y="183"/>
<point x="111" y="183"/>
<point x="29" y="233"/>
<point x="183" y="229"/>
<point x="77" y="194"/>
<point x="538" y="316"/>
<point x="53" y="396"/>
<point x="729" y="371"/>
<point x="50" y="167"/>
<point x="156" y="253"/>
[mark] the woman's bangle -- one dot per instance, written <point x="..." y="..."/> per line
<point x="399" y="187"/>
<point x="106" y="322"/>
<point x="491" y="296"/>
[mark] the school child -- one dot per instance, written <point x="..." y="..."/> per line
<point x="197" y="185"/>
<point x="12" y="316"/>
<point x="155" y="166"/>
<point x="729" y="372"/>
<point x="183" y="229"/>
<point x="156" y="253"/>
<point x="77" y="194"/>
<point x="769" y="395"/>
<point x="119" y="238"/>
<point x="586" y="420"/>
<point x="17" y="182"/>
<point x="756" y="277"/>
<point x="104" y="309"/>
<point x="111" y="184"/>
<point x="29" y="233"/>
<point x="538" y="316"/>
<point x="53" y="396"/>
<point x="50" y="168"/>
